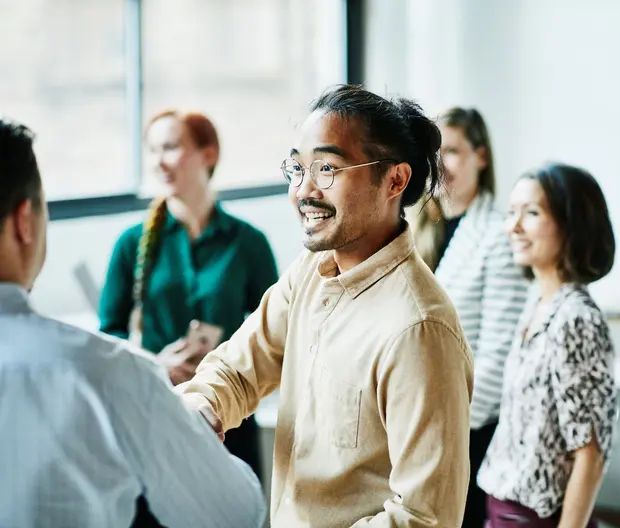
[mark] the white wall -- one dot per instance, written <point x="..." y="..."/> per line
<point x="544" y="73"/>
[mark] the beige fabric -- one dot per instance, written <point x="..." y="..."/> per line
<point x="375" y="382"/>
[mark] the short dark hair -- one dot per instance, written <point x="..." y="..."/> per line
<point x="578" y="206"/>
<point x="392" y="129"/>
<point x="471" y="122"/>
<point x="19" y="173"/>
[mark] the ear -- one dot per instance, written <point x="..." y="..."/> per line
<point x="398" y="178"/>
<point x="24" y="226"/>
<point x="481" y="157"/>
<point x="210" y="155"/>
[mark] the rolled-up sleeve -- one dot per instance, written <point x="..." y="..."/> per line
<point x="582" y="382"/>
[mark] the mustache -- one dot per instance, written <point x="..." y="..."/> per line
<point x="316" y="204"/>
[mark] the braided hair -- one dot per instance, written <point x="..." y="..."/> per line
<point x="147" y="246"/>
<point x="203" y="134"/>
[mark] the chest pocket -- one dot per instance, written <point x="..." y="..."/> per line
<point x="341" y="408"/>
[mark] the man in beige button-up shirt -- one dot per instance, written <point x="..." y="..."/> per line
<point x="374" y="372"/>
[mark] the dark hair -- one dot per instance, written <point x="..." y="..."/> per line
<point x="475" y="129"/>
<point x="578" y="207"/>
<point x="392" y="129"/>
<point x="19" y="174"/>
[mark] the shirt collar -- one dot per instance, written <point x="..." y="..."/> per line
<point x="220" y="222"/>
<point x="13" y="298"/>
<point x="373" y="269"/>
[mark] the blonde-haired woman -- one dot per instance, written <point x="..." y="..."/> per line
<point x="460" y="235"/>
<point x="190" y="262"/>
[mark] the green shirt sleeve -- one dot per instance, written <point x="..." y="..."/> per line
<point x="263" y="269"/>
<point x="116" y="300"/>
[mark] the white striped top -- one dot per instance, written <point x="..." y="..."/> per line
<point x="86" y="427"/>
<point x="489" y="292"/>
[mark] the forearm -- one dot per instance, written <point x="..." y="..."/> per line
<point x="581" y="491"/>
<point x="186" y="471"/>
<point x="233" y="378"/>
<point x="219" y="384"/>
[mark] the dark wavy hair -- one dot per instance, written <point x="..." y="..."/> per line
<point x="394" y="129"/>
<point x="578" y="206"/>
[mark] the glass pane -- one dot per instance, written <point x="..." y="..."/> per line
<point x="252" y="66"/>
<point x="63" y="75"/>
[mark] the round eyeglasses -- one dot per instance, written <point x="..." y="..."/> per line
<point x="321" y="172"/>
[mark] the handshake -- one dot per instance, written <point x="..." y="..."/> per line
<point x="182" y="357"/>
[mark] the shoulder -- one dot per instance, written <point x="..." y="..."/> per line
<point x="578" y="311"/>
<point x="579" y="329"/>
<point x="91" y="353"/>
<point x="130" y="237"/>
<point x="244" y="229"/>
<point x="485" y="216"/>
<point x="493" y="225"/>
<point x="425" y="299"/>
<point x="304" y="269"/>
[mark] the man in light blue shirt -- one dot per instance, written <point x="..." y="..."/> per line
<point x="87" y="426"/>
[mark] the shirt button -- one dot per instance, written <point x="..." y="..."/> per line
<point x="326" y="301"/>
<point x="313" y="349"/>
<point x="287" y="501"/>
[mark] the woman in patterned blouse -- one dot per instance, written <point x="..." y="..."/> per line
<point x="549" y="452"/>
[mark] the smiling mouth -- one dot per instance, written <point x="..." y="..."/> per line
<point x="315" y="220"/>
<point x="165" y="177"/>
<point x="520" y="246"/>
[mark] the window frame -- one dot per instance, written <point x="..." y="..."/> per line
<point x="72" y="208"/>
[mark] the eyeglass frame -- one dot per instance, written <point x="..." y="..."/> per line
<point x="333" y="170"/>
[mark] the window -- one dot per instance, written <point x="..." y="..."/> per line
<point x="63" y="75"/>
<point x="252" y="66"/>
<point x="86" y="75"/>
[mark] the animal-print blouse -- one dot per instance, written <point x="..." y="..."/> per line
<point x="558" y="389"/>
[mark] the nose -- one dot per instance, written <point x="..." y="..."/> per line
<point x="513" y="223"/>
<point x="308" y="189"/>
<point x="161" y="163"/>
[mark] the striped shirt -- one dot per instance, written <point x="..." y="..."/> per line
<point x="87" y="427"/>
<point x="489" y="292"/>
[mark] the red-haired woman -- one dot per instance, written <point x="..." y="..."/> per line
<point x="189" y="263"/>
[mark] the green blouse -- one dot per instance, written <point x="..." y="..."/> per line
<point x="218" y="278"/>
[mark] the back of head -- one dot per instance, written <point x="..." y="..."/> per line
<point x="19" y="174"/>
<point x="391" y="129"/>
<point x="578" y="206"/>
<point x="473" y="126"/>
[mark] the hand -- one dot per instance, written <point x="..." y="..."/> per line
<point x="169" y="356"/>
<point x="181" y="373"/>
<point x="181" y="359"/>
<point x="207" y="413"/>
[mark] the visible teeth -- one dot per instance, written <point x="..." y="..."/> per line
<point x="314" y="216"/>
